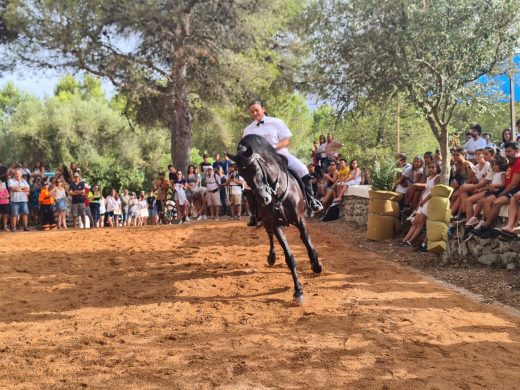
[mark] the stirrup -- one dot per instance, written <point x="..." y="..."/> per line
<point x="315" y="205"/>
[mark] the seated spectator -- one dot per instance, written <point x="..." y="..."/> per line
<point x="19" y="199"/>
<point x="482" y="169"/>
<point x="494" y="184"/>
<point x="330" y="178"/>
<point x="413" y="194"/>
<point x="353" y="178"/>
<point x="493" y="203"/>
<point x="421" y="215"/>
<point x="407" y="175"/>
<point x="507" y="136"/>
<point x="463" y="172"/>
<point x="4" y="205"/>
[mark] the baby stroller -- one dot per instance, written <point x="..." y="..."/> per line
<point x="170" y="211"/>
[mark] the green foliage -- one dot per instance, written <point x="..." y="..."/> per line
<point x="430" y="52"/>
<point x="383" y="175"/>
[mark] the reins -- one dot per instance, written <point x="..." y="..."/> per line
<point x="269" y="188"/>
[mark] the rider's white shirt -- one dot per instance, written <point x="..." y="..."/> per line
<point x="273" y="130"/>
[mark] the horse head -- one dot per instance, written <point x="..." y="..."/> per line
<point x="253" y="173"/>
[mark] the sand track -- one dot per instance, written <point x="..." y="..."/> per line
<point x="196" y="306"/>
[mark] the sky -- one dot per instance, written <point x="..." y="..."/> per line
<point x="42" y="83"/>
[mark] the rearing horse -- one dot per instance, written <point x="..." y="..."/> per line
<point x="279" y="195"/>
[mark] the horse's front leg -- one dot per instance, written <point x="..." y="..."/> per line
<point x="271" y="257"/>
<point x="306" y="239"/>
<point x="291" y="263"/>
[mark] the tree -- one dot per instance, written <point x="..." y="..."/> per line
<point x="159" y="54"/>
<point x="430" y="52"/>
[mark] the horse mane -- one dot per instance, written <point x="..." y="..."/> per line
<point x="259" y="145"/>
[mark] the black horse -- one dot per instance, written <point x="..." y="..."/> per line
<point x="280" y="197"/>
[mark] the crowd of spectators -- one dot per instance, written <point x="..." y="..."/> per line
<point x="485" y="176"/>
<point x="63" y="198"/>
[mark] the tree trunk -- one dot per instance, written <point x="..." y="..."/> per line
<point x="446" y="156"/>
<point x="180" y="122"/>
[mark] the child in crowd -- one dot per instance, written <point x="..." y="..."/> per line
<point x="151" y="202"/>
<point x="46" y="202"/>
<point x="142" y="206"/>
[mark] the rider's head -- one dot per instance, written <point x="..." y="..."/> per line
<point x="257" y="110"/>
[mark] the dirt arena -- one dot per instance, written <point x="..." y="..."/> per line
<point x="196" y="307"/>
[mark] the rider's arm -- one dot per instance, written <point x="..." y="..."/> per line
<point x="283" y="143"/>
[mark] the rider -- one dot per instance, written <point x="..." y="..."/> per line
<point x="276" y="132"/>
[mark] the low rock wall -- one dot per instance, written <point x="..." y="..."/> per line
<point x="355" y="210"/>
<point x="487" y="251"/>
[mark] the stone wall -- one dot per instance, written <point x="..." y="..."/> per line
<point x="486" y="251"/>
<point x="355" y="210"/>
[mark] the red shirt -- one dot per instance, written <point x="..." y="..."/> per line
<point x="511" y="170"/>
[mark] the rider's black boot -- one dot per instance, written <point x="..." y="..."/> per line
<point x="313" y="203"/>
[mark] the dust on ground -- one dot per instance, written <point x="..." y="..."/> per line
<point x="196" y="307"/>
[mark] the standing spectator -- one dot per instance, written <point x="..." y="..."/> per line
<point x="322" y="156"/>
<point x="26" y="171"/>
<point x="112" y="202"/>
<point x="118" y="210"/>
<point x="222" y="189"/>
<point x="217" y="163"/>
<point x="161" y="185"/>
<point x="212" y="181"/>
<point x="4" y="205"/>
<point x="331" y="148"/>
<point x="38" y="169"/>
<point x="88" y="212"/>
<point x="19" y="191"/>
<point x="95" y="199"/>
<point x="180" y="186"/>
<point x="125" y="198"/>
<point x="151" y="202"/>
<point x="235" y="184"/>
<point x="77" y="190"/>
<point x="46" y="204"/>
<point x="171" y="173"/>
<point x="59" y="195"/>
<point x="475" y="142"/>
<point x="142" y="207"/>
<point x="226" y="163"/>
<point x="102" y="209"/>
<point x="34" y="193"/>
<point x="193" y="181"/>
<point x="133" y="210"/>
<point x="314" y="154"/>
<point x="205" y="164"/>
<point x="489" y="141"/>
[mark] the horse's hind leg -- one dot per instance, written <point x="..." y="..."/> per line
<point x="306" y="239"/>
<point x="291" y="263"/>
<point x="271" y="258"/>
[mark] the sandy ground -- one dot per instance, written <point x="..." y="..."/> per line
<point x="196" y="307"/>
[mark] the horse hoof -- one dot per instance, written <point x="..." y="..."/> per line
<point x="298" y="300"/>
<point x="271" y="259"/>
<point x="317" y="268"/>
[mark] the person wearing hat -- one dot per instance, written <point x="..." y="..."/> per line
<point x="77" y="190"/>
<point x="212" y="181"/>
<point x="276" y="132"/>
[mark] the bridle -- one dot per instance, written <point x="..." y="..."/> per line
<point x="270" y="189"/>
